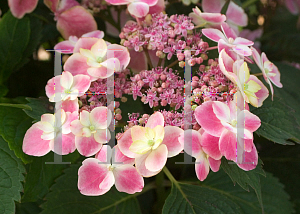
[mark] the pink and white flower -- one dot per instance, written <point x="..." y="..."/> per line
<point x="201" y="19"/>
<point x="270" y="72"/>
<point x="151" y="145"/>
<point x="67" y="46"/>
<point x="20" y="7"/>
<point x="137" y="8"/>
<point x="251" y="88"/>
<point x="235" y="15"/>
<point x="228" y="40"/>
<point x="67" y="87"/>
<point x="96" y="176"/>
<point x="233" y="126"/>
<point x="49" y="134"/>
<point x="205" y="149"/>
<point x="97" y="59"/>
<point x="91" y="130"/>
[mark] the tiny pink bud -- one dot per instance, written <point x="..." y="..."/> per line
<point x="137" y="77"/>
<point x="181" y="64"/>
<point x="202" y="67"/>
<point x="145" y="116"/>
<point x="180" y="56"/>
<point x="194" y="84"/>
<point x="207" y="99"/>
<point x="153" y="89"/>
<point x="124" y="99"/>
<point x="163" y="77"/>
<point x="163" y="85"/>
<point x="118" y="117"/>
<point x="155" y="103"/>
<point x="206" y="78"/>
<point x="163" y="102"/>
<point x="195" y="78"/>
<point x="160" y="90"/>
<point x="140" y="83"/>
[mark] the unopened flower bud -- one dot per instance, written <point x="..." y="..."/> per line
<point x="118" y="117"/>
<point x="204" y="56"/>
<point x="124" y="99"/>
<point x="181" y="64"/>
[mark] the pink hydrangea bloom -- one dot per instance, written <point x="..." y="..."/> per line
<point x="270" y="72"/>
<point x="91" y="130"/>
<point x="97" y="59"/>
<point x="228" y="40"/>
<point x="70" y="87"/>
<point x="137" y="8"/>
<point x="252" y="89"/>
<point x="96" y="176"/>
<point x="205" y="149"/>
<point x="20" y="7"/>
<point x="72" y="19"/>
<point x="201" y="19"/>
<point x="151" y="145"/>
<point x="41" y="136"/>
<point x="235" y="15"/>
<point x="221" y="120"/>
<point x="68" y="46"/>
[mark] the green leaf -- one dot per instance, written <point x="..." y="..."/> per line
<point x="14" y="38"/>
<point x="21" y="106"/>
<point x="11" y="174"/>
<point x="218" y="195"/>
<point x="65" y="198"/>
<point x="280" y="118"/>
<point x="13" y="125"/>
<point x="225" y="7"/>
<point x="39" y="107"/>
<point x="28" y="208"/>
<point x="41" y="176"/>
<point x="245" y="178"/>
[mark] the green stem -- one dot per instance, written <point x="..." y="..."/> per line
<point x="40" y="17"/>
<point x="172" y="64"/>
<point x="148" y="58"/>
<point x="259" y="74"/>
<point x="160" y="190"/>
<point x="160" y="61"/>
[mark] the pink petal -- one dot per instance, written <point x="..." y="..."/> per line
<point x="107" y="182"/>
<point x="242" y="50"/>
<point x="213" y="17"/>
<point x="202" y="167"/>
<point x="149" y="2"/>
<point x="90" y="175"/>
<point x="52" y="4"/>
<point x="20" y="7"/>
<point x="247" y="144"/>
<point x="157" y="158"/>
<point x="70" y="105"/>
<point x="66" y="80"/>
<point x="81" y="83"/>
<point x="66" y="4"/>
<point x="87" y="146"/>
<point x="212" y="6"/>
<point x="227" y="145"/>
<point x="76" y="64"/>
<point x="250" y="161"/>
<point x="124" y="142"/>
<point x="94" y="34"/>
<point x="213" y="34"/>
<point x="292" y="6"/>
<point x="75" y="22"/>
<point x="70" y="117"/>
<point x="174" y="146"/>
<point x="229" y="33"/>
<point x="210" y="146"/>
<point x="104" y="155"/>
<point x="100" y="117"/>
<point x="141" y="168"/>
<point x="138" y="9"/>
<point x="207" y="119"/>
<point x="119" y="52"/>
<point x="85" y="43"/>
<point x="138" y="61"/>
<point x="221" y="111"/>
<point x="102" y="136"/>
<point x="256" y="58"/>
<point x="191" y="140"/>
<point x="236" y="15"/>
<point x="65" y="47"/>
<point x="33" y="144"/>
<point x="263" y="93"/>
<point x="214" y="164"/>
<point x="242" y="41"/>
<point x="127" y="179"/>
<point x="50" y="88"/>
<point x="121" y="158"/>
<point x="155" y="119"/>
<point x="64" y="145"/>
<point x="158" y="7"/>
<point x="118" y="2"/>
<point x="251" y="121"/>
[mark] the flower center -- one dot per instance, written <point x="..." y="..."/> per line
<point x="230" y="40"/>
<point x="110" y="168"/>
<point x="99" y="59"/>
<point x="67" y="91"/>
<point x="151" y="142"/>
<point x="233" y="122"/>
<point x="92" y="128"/>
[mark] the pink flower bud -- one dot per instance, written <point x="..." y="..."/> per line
<point x="140" y="83"/>
<point x="163" y="102"/>
<point x="163" y="77"/>
<point x="118" y="117"/>
<point x="160" y="90"/>
<point x="194" y="84"/>
<point x="180" y="56"/>
<point x="195" y="78"/>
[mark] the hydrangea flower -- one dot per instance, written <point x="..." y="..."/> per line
<point x="221" y="120"/>
<point x="151" y="145"/>
<point x="20" y="7"/>
<point x="97" y="59"/>
<point x="41" y="136"/>
<point x="201" y="19"/>
<point x="252" y="89"/>
<point x="137" y="8"/>
<point x="205" y="149"/>
<point x="91" y="130"/>
<point x="96" y="176"/>
<point x="228" y="40"/>
<point x="270" y="72"/>
<point x="70" y="87"/>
